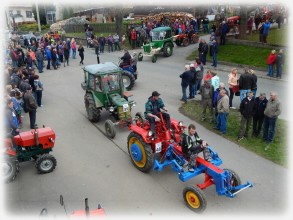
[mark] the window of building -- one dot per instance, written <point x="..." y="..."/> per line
<point x="29" y="14"/>
<point x="18" y="12"/>
<point x="51" y="16"/>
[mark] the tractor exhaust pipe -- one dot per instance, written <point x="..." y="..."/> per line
<point x="36" y="136"/>
<point x="87" y="209"/>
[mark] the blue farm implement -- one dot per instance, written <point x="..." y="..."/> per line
<point x="226" y="181"/>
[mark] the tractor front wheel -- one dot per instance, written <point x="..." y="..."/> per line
<point x="141" y="153"/>
<point x="140" y="56"/>
<point x="10" y="169"/>
<point x="93" y="113"/>
<point x="178" y="42"/>
<point x="128" y="80"/>
<point x="110" y="129"/>
<point x="194" y="198"/>
<point x="185" y="42"/>
<point x="45" y="163"/>
<point x="154" y="58"/>
<point x="168" y="49"/>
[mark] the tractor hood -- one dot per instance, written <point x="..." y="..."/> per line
<point x="118" y="100"/>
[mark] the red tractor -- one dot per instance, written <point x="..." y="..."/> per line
<point x="142" y="146"/>
<point x="185" y="39"/>
<point x="30" y="145"/>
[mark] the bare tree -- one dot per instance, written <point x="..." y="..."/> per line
<point x="118" y="12"/>
<point x="243" y="22"/>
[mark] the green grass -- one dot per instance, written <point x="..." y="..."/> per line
<point x="278" y="150"/>
<point x="276" y="36"/>
<point x="248" y="55"/>
<point x="239" y="54"/>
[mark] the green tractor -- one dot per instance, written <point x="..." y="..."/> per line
<point x="161" y="42"/>
<point x="104" y="89"/>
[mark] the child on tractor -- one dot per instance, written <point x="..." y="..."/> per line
<point x="191" y="145"/>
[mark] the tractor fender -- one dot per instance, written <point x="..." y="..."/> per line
<point x="98" y="103"/>
<point x="140" y="131"/>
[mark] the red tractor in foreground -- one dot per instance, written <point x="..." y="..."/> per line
<point x="142" y="146"/>
<point x="185" y="39"/>
<point x="30" y="145"/>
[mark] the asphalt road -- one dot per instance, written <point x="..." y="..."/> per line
<point x="90" y="165"/>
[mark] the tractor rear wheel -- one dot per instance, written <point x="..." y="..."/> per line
<point x="168" y="49"/>
<point x="185" y="42"/>
<point x="141" y="153"/>
<point x="93" y="113"/>
<point x="128" y="79"/>
<point x="234" y="178"/>
<point x="10" y="168"/>
<point x="154" y="58"/>
<point x="110" y="129"/>
<point x="140" y="56"/>
<point x="194" y="39"/>
<point x="45" y="163"/>
<point x="194" y="198"/>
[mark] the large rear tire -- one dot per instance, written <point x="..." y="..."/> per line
<point x="141" y="153"/>
<point x="93" y="113"/>
<point x="168" y="49"/>
<point x="10" y="168"/>
<point x="110" y="129"/>
<point x="128" y="79"/>
<point x="194" y="199"/>
<point x="45" y="163"/>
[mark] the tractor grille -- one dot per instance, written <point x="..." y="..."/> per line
<point x="124" y="112"/>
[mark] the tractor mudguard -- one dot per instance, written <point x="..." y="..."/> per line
<point x="98" y="103"/>
<point x="143" y="133"/>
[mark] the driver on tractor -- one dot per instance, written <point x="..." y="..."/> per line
<point x="126" y="59"/>
<point x="152" y="110"/>
<point x="191" y="145"/>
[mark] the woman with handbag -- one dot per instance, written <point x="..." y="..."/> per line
<point x="233" y="85"/>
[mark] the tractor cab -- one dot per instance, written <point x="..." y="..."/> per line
<point x="161" y="42"/>
<point x="104" y="89"/>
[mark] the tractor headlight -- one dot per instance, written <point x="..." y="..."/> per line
<point x="111" y="109"/>
<point x="150" y="133"/>
<point x="180" y="123"/>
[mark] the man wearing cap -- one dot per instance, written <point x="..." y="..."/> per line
<point x="31" y="106"/>
<point x="152" y="109"/>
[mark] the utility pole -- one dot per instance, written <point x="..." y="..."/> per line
<point x="38" y="16"/>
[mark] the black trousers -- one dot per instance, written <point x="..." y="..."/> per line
<point x="152" y="121"/>
<point x="32" y="115"/>
<point x="257" y="124"/>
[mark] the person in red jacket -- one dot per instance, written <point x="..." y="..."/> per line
<point x="133" y="37"/>
<point x="271" y="60"/>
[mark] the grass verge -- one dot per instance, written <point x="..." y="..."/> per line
<point x="278" y="149"/>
